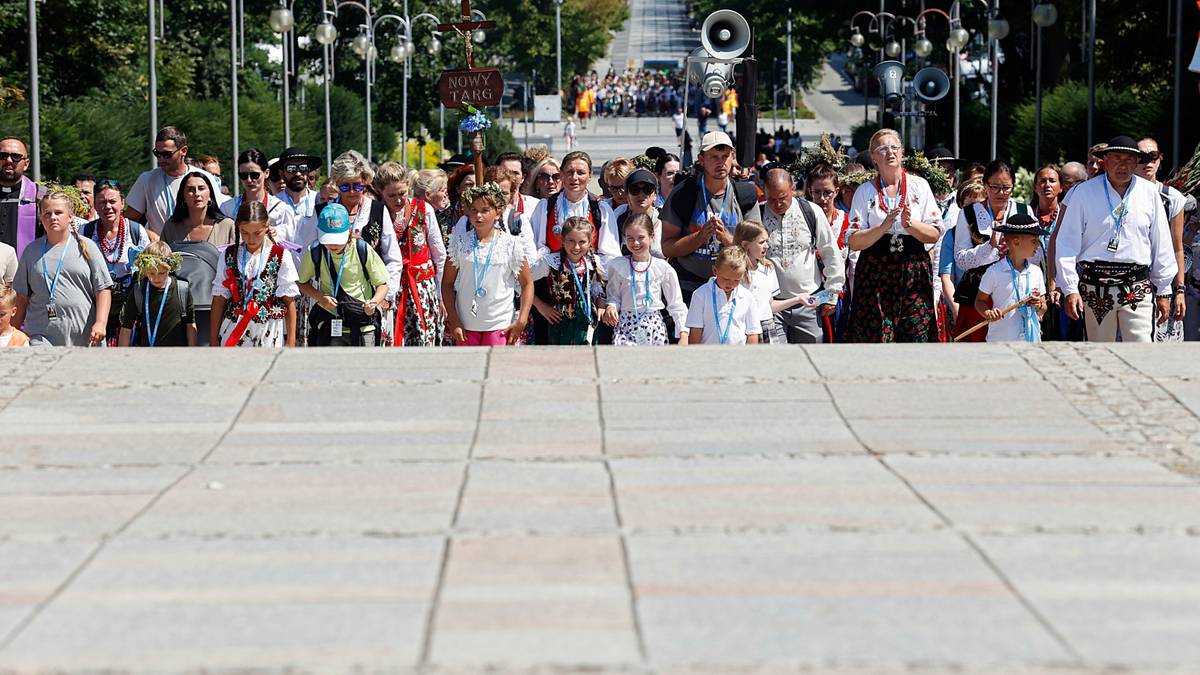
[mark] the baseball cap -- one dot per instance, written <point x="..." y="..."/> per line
<point x="714" y="139"/>
<point x="641" y="176"/>
<point x="334" y="225"/>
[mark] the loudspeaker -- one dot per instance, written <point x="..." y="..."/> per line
<point x="713" y="78"/>
<point x="1194" y="66"/>
<point x="891" y="81"/>
<point x="747" y="113"/>
<point x="725" y="34"/>
<point x="930" y="85"/>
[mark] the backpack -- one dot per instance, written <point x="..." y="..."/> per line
<point x="360" y="245"/>
<point x="683" y="199"/>
<point x="968" y="287"/>
<point x="1165" y="195"/>
<point x="372" y="232"/>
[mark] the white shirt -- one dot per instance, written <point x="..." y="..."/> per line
<point x="305" y="213"/>
<point x="998" y="282"/>
<point x="154" y="193"/>
<point x="287" y="280"/>
<point x="966" y="254"/>
<point x="528" y="245"/>
<point x="737" y="312"/>
<point x="279" y="215"/>
<point x="868" y="210"/>
<point x="795" y="255"/>
<point x="1088" y="225"/>
<point x="499" y="280"/>
<point x="764" y="286"/>
<point x="629" y="295"/>
<point x="609" y="247"/>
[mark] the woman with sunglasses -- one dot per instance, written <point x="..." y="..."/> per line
<point x="369" y="219"/>
<point x="115" y="236"/>
<point x="252" y="171"/>
<point x="977" y="247"/>
<point x="666" y="167"/>
<point x="545" y="180"/>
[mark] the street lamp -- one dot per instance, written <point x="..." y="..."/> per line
<point x="1044" y="16"/>
<point x="282" y="21"/>
<point x="997" y="28"/>
<point x="326" y="34"/>
<point x="558" y="47"/>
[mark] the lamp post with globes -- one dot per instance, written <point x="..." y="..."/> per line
<point x="282" y="20"/>
<point x="326" y="35"/>
<point x="997" y="28"/>
<point x="1044" y="16"/>
<point x="876" y="28"/>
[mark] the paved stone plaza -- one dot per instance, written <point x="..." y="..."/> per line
<point x="856" y="509"/>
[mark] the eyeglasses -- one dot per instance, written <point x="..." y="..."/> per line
<point x="824" y="194"/>
<point x="550" y="176"/>
<point x="13" y="157"/>
<point x="164" y="154"/>
<point x="889" y="149"/>
<point x="1002" y="189"/>
<point x="616" y="188"/>
<point x="1150" y="157"/>
<point x="296" y="168"/>
<point x="641" y="189"/>
<point x="249" y="175"/>
<point x="357" y="187"/>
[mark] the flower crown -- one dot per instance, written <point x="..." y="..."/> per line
<point x="486" y="190"/>
<point x="149" y="262"/>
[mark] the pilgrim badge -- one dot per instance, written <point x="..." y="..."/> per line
<point x="335" y="328"/>
<point x="51" y="313"/>
<point x="1114" y="244"/>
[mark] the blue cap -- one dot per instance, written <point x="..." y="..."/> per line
<point x="334" y="225"/>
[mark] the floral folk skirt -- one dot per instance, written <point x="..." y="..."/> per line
<point x="893" y="301"/>
<point x="644" y="328"/>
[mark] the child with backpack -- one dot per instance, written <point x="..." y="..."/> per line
<point x="487" y="265"/>
<point x="157" y="310"/>
<point x="722" y="310"/>
<point x="346" y="280"/>
<point x="254" y="292"/>
<point x="569" y="288"/>
<point x="640" y="287"/>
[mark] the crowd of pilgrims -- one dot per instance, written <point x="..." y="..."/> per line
<point x="627" y="94"/>
<point x="824" y="250"/>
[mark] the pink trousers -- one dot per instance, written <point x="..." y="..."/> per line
<point x="491" y="338"/>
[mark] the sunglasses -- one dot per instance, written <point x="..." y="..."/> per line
<point x="357" y="187"/>
<point x="295" y="168"/>
<point x="616" y="188"/>
<point x="249" y="175"/>
<point x="1150" y="157"/>
<point x="550" y="176"/>
<point x="641" y="189"/>
<point x="11" y="157"/>
<point x="164" y="154"/>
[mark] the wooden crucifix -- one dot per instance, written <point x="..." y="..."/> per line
<point x="472" y="86"/>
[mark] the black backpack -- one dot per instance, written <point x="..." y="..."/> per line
<point x="683" y="198"/>
<point x="360" y="246"/>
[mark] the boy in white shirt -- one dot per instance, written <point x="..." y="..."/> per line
<point x="1015" y="280"/>
<point x="723" y="310"/>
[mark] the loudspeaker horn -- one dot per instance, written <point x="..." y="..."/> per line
<point x="725" y="34"/>
<point x="1194" y="66"/>
<point x="891" y="81"/>
<point x="931" y="85"/>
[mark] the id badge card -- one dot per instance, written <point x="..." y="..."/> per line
<point x="51" y="312"/>
<point x="335" y="328"/>
<point x="1114" y="244"/>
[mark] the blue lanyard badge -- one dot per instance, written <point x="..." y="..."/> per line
<point x="337" y="284"/>
<point x="1029" y="322"/>
<point x="52" y="285"/>
<point x="582" y="288"/>
<point x="722" y="335"/>
<point x="152" y="333"/>
<point x="480" y="291"/>
<point x="1118" y="214"/>
<point x="633" y="287"/>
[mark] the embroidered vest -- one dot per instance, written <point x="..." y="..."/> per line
<point x="269" y="306"/>
<point x="554" y="228"/>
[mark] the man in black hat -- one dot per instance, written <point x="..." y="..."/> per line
<point x="1114" y="251"/>
<point x="295" y="164"/>
<point x="453" y="163"/>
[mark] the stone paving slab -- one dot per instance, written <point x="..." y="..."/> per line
<point x="847" y="509"/>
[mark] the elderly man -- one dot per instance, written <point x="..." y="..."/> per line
<point x="18" y="196"/>
<point x="152" y="198"/>
<point x="1073" y="174"/>
<point x="1115" y="258"/>
<point x="799" y="234"/>
<point x="703" y="211"/>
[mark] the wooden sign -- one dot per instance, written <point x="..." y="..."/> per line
<point x="478" y="86"/>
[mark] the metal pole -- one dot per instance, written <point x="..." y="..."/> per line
<point x="995" y="45"/>
<point x="35" y="126"/>
<point x="234" y="183"/>
<point x="287" y="92"/>
<point x="368" y="69"/>
<point x="328" y="125"/>
<point x="152" y="58"/>
<point x="1037" y="129"/>
<point x="1175" y="140"/>
<point x="525" y="102"/>
<point x="558" y="46"/>
<point x="957" y="56"/>
<point x="442" y="125"/>
<point x="687" y="63"/>
<point x="791" y="92"/>
<point x="1091" y="73"/>
<point x="404" y="116"/>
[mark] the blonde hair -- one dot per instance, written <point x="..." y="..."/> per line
<point x="531" y="179"/>
<point x="643" y="221"/>
<point x="884" y="133"/>
<point x="970" y="193"/>
<point x="393" y="172"/>
<point x="58" y="194"/>
<point x="735" y="258"/>
<point x="617" y="171"/>
<point x="8" y="295"/>
<point x="746" y="233"/>
<point x="579" y="224"/>
<point x="427" y="182"/>
<point x="350" y="165"/>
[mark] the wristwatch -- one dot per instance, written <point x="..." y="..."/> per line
<point x="1178" y="289"/>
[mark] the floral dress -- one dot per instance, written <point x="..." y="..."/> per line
<point x="576" y="294"/>
<point x="255" y="285"/>
<point x="419" y="319"/>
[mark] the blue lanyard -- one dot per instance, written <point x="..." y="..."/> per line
<point x="341" y="266"/>
<point x="726" y="216"/>
<point x="152" y="334"/>
<point x="1029" y="326"/>
<point x="244" y="259"/>
<point x="1119" y="213"/>
<point x="167" y="191"/>
<point x="584" y="295"/>
<point x="633" y="286"/>
<point x="479" y="278"/>
<point x="722" y="335"/>
<point x="51" y="285"/>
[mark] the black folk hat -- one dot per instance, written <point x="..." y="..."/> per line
<point x="942" y="154"/>
<point x="295" y="155"/>
<point x="1123" y="144"/>
<point x="453" y="163"/>
<point x="1022" y="223"/>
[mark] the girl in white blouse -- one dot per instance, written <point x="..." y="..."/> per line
<point x="640" y="286"/>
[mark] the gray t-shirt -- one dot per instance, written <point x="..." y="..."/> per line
<point x="699" y="264"/>
<point x="154" y="195"/>
<point x="74" y="295"/>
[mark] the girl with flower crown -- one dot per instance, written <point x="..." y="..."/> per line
<point x="255" y="289"/>
<point x="487" y="264"/>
